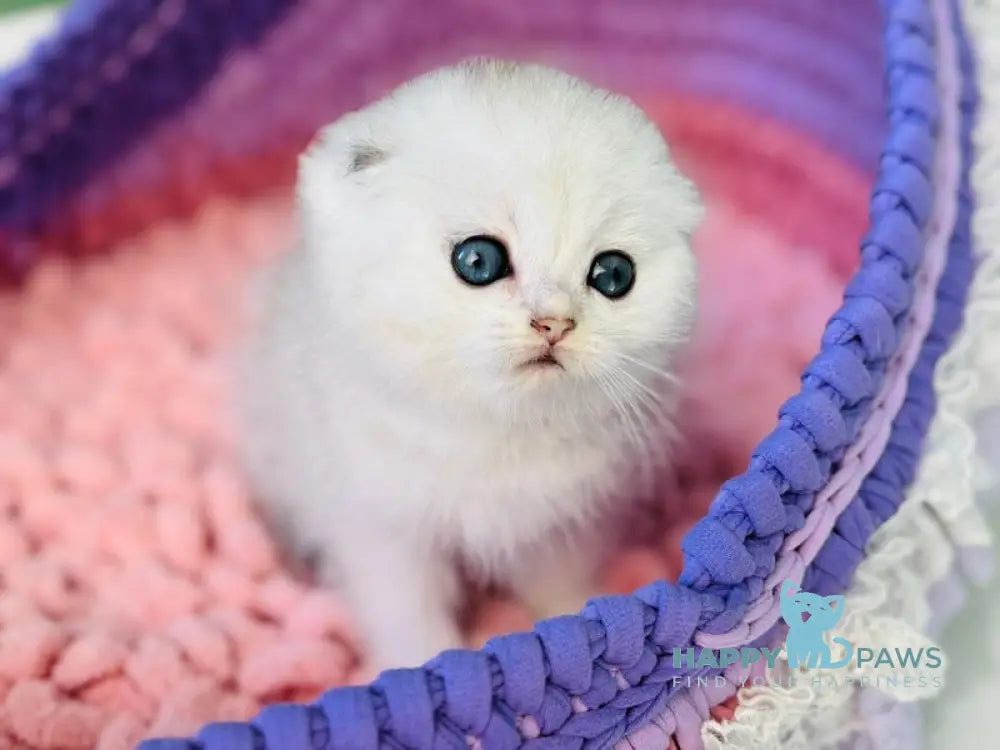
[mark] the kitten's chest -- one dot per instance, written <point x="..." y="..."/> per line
<point x="484" y="489"/>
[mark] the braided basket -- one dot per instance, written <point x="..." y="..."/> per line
<point x="138" y="110"/>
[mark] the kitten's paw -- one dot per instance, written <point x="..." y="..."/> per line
<point x="556" y="580"/>
<point x="545" y="599"/>
<point x="552" y="604"/>
<point x="404" y="602"/>
<point x="414" y="643"/>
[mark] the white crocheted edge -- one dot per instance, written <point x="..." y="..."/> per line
<point x="887" y="602"/>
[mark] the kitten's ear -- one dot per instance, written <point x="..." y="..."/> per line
<point x="789" y="588"/>
<point x="690" y="209"/>
<point x="346" y="147"/>
<point x="364" y="154"/>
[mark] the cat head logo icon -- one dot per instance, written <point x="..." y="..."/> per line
<point x="808" y="617"/>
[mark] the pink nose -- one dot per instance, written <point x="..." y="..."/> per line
<point x="553" y="330"/>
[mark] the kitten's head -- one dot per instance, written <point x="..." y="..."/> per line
<point x="505" y="237"/>
<point x="802" y="610"/>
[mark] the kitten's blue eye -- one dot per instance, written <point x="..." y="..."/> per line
<point x="480" y="260"/>
<point x="612" y="274"/>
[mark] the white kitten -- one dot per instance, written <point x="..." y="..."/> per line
<point x="467" y="357"/>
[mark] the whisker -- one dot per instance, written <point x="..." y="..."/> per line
<point x="627" y="421"/>
<point x="665" y="374"/>
<point x="647" y="408"/>
<point x="643" y="418"/>
<point x="652" y="398"/>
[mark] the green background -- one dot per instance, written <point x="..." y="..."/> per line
<point x="9" y="5"/>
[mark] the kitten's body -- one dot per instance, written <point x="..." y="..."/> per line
<point x="393" y="423"/>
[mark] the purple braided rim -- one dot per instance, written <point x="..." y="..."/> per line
<point x="593" y="679"/>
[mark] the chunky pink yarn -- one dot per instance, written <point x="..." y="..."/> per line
<point x="140" y="594"/>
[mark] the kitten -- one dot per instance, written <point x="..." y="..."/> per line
<point x="468" y="356"/>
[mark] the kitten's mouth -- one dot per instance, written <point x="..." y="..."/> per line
<point x="542" y="362"/>
<point x="806" y="616"/>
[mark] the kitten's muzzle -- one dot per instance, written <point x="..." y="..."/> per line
<point x="553" y="330"/>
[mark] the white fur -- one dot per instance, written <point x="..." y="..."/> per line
<point x="391" y="428"/>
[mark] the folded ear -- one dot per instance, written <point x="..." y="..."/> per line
<point x="364" y="154"/>
<point x="789" y="588"/>
<point x="335" y="166"/>
<point x="345" y="147"/>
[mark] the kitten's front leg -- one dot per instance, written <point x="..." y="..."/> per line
<point x="404" y="597"/>
<point x="557" y="578"/>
